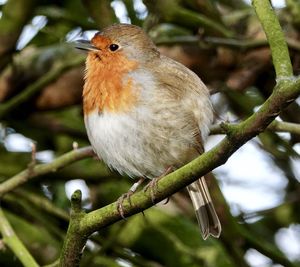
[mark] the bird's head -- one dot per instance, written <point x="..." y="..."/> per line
<point x="120" y="40"/>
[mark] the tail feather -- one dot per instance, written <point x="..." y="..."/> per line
<point x="205" y="212"/>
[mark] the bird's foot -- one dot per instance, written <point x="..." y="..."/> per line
<point x="127" y="196"/>
<point x="152" y="185"/>
<point x="120" y="202"/>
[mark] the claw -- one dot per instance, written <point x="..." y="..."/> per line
<point x="127" y="196"/>
<point x="167" y="201"/>
<point x="121" y="200"/>
<point x="152" y="185"/>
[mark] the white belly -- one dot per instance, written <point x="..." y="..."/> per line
<point x="136" y="145"/>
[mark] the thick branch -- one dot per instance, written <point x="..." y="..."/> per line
<point x="271" y="26"/>
<point x="266" y="249"/>
<point x="41" y="169"/>
<point x="74" y="242"/>
<point x="14" y="243"/>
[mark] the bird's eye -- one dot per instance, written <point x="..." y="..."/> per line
<point x="113" y="47"/>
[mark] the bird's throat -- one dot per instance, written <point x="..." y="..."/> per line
<point x="108" y="87"/>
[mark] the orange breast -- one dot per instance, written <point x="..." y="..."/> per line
<point x="106" y="86"/>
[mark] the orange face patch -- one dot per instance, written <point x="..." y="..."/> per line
<point x="106" y="87"/>
<point x="101" y="41"/>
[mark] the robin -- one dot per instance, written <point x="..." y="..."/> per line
<point x="146" y="114"/>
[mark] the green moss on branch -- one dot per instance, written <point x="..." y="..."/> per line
<point x="275" y="36"/>
<point x="41" y="169"/>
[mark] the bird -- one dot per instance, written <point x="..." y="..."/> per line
<point x="146" y="114"/>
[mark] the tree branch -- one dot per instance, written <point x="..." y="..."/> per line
<point x="276" y="126"/>
<point x="242" y="43"/>
<point x="74" y="243"/>
<point x="282" y="126"/>
<point x="271" y="26"/>
<point x="35" y="87"/>
<point x="42" y="203"/>
<point x="266" y="249"/>
<point x="284" y="93"/>
<point x="14" y="243"/>
<point x="172" y="11"/>
<point x="41" y="169"/>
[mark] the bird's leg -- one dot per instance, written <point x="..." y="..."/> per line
<point x="127" y="196"/>
<point x="152" y="185"/>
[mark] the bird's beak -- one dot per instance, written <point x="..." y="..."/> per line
<point x="85" y="45"/>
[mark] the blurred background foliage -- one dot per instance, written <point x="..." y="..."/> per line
<point x="41" y="79"/>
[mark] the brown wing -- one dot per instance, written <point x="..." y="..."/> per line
<point x="181" y="84"/>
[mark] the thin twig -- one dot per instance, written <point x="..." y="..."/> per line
<point x="53" y="264"/>
<point x="32" y="163"/>
<point x="239" y="43"/>
<point x="282" y="126"/>
<point x="276" y="126"/>
<point x="41" y="169"/>
<point x="44" y="204"/>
